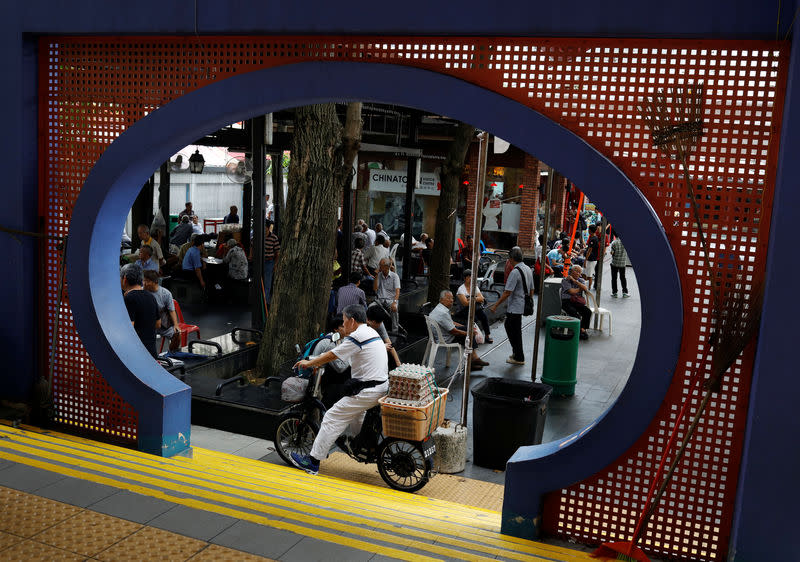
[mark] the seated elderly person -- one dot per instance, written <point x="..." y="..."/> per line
<point x="351" y="293"/>
<point x="193" y="265"/>
<point x="375" y="253"/>
<point x="169" y="329"/>
<point x="572" y="300"/>
<point x="145" y="261"/>
<point x="451" y="331"/>
<point x="181" y="233"/>
<point x="185" y="248"/>
<point x="462" y="295"/>
<point x="236" y="261"/>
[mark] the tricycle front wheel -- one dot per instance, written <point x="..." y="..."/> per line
<point x="294" y="434"/>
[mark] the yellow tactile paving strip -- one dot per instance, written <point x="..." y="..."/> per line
<point x="349" y="513"/>
<point x="448" y="487"/>
<point x="46" y="530"/>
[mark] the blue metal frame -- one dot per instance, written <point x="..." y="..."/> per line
<point x="764" y="527"/>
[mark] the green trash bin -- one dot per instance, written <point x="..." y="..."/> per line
<point x="561" y="354"/>
<point x="173" y="222"/>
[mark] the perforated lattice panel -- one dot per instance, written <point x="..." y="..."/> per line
<point x="93" y="88"/>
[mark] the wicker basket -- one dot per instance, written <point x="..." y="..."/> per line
<point x="414" y="423"/>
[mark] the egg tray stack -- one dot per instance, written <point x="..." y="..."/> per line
<point x="411" y="385"/>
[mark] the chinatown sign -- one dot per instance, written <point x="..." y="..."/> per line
<point x="394" y="181"/>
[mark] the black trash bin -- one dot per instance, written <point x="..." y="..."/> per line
<point x="506" y="415"/>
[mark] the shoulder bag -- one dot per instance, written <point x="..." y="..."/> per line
<point x="528" y="310"/>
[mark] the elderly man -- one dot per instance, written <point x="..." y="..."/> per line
<point x="387" y="290"/>
<point x="519" y="281"/>
<point x="351" y="293"/>
<point x="369" y="365"/>
<point x="375" y="253"/>
<point x="180" y="235"/>
<point x="196" y="228"/>
<point x="141" y="306"/>
<point x="192" y="265"/>
<point x="452" y="331"/>
<point x="463" y="297"/>
<point x="572" y="300"/>
<point x="169" y="327"/>
<point x="145" y="261"/>
<point x="144" y="235"/>
<point x="357" y="261"/>
<point x="379" y="230"/>
<point x="187" y="211"/>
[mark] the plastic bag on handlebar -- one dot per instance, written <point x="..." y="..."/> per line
<point x="293" y="389"/>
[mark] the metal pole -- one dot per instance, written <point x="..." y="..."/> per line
<point x="412" y="181"/>
<point x="541" y="276"/>
<point x="163" y="203"/>
<point x="601" y="253"/>
<point x="483" y="153"/>
<point x="258" y="180"/>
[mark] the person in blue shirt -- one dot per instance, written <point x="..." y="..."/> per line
<point x="145" y="261"/>
<point x="555" y="259"/>
<point x="193" y="262"/>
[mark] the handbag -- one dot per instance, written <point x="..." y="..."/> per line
<point x="528" y="299"/>
<point x="578" y="299"/>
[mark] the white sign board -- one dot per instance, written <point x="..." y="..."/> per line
<point x="394" y="181"/>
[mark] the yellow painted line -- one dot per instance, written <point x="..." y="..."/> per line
<point x="503" y="541"/>
<point x="414" y="500"/>
<point x="299" y="529"/>
<point x="278" y="487"/>
<point x="257" y="506"/>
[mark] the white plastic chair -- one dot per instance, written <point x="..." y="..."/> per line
<point x="436" y="342"/>
<point x="393" y="251"/>
<point x="598" y="312"/>
<point x="487" y="281"/>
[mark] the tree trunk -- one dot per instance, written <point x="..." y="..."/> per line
<point x="452" y="169"/>
<point x="304" y="271"/>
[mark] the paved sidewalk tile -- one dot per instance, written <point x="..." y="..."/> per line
<point x="27" y="478"/>
<point x="76" y="492"/>
<point x="315" y="549"/>
<point x="257" y="539"/>
<point x="196" y="523"/>
<point x="132" y="506"/>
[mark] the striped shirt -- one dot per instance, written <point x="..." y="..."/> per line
<point x="271" y="246"/>
<point x="349" y="294"/>
<point x="357" y="260"/>
<point x="619" y="257"/>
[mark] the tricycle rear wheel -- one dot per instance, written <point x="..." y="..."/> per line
<point x="402" y="465"/>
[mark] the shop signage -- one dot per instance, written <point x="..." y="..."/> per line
<point x="394" y="181"/>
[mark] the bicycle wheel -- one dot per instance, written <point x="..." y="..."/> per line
<point x="294" y="434"/>
<point x="403" y="465"/>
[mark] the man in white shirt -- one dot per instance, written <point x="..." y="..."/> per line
<point x="375" y="253"/>
<point x="519" y="280"/>
<point x="452" y="332"/>
<point x="369" y="365"/>
<point x="387" y="290"/>
<point x="370" y="234"/>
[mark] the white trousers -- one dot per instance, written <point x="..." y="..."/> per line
<point x="349" y="411"/>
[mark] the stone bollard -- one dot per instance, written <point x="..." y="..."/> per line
<point x="451" y="448"/>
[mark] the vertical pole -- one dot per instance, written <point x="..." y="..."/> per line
<point x="163" y="203"/>
<point x="483" y="153"/>
<point x="538" y="326"/>
<point x="347" y="228"/>
<point x="258" y="181"/>
<point x="412" y="182"/>
<point x="278" y="203"/>
<point x="601" y="253"/>
<point x="247" y="215"/>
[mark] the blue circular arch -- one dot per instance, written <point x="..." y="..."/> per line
<point x="163" y="402"/>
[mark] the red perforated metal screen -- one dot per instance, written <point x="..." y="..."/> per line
<point x="93" y="88"/>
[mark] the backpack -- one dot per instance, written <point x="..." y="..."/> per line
<point x="308" y="350"/>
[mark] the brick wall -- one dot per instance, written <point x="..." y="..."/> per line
<point x="530" y="204"/>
